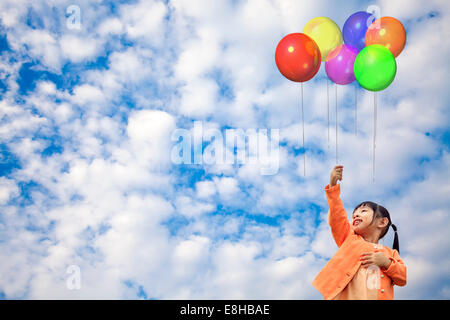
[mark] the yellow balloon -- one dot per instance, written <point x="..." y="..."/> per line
<point x="325" y="32"/>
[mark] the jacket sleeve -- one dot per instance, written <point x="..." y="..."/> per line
<point x="397" y="269"/>
<point x="337" y="216"/>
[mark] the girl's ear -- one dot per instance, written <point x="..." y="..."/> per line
<point x="384" y="222"/>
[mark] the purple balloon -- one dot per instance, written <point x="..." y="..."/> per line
<point x="355" y="28"/>
<point x="339" y="64"/>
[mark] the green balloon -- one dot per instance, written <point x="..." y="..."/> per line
<point x="375" y="67"/>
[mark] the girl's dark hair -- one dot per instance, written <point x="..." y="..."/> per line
<point x="381" y="212"/>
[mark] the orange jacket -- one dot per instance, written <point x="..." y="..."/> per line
<point x="341" y="268"/>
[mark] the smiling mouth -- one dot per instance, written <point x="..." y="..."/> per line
<point x="357" y="222"/>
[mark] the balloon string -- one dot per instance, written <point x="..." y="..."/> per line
<point x="303" y="126"/>
<point x="374" y="131"/>
<point x="336" y="124"/>
<point x="356" y="109"/>
<point x="328" y="104"/>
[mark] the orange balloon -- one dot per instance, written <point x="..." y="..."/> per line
<point x="388" y="32"/>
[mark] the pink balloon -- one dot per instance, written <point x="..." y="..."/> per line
<point x="339" y="64"/>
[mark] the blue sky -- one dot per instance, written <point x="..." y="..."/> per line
<point x="87" y="178"/>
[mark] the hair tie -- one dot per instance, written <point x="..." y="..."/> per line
<point x="394" y="227"/>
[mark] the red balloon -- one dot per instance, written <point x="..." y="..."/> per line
<point x="298" y="57"/>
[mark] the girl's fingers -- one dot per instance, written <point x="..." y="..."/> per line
<point x="364" y="258"/>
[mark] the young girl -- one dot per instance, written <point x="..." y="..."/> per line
<point x="361" y="268"/>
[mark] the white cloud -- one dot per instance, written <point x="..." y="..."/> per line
<point x="84" y="94"/>
<point x="144" y="20"/>
<point x="46" y="87"/>
<point x="149" y="140"/>
<point x="402" y="9"/>
<point x="198" y="56"/>
<point x="152" y="126"/>
<point x="190" y="255"/>
<point x="63" y="112"/>
<point x="205" y="189"/>
<point x="78" y="49"/>
<point x="190" y="208"/>
<point x="227" y="187"/>
<point x="21" y="124"/>
<point x="130" y="65"/>
<point x="42" y="45"/>
<point x="10" y="13"/>
<point x="323" y="243"/>
<point x="110" y="26"/>
<point x="198" y="98"/>
<point x="8" y="190"/>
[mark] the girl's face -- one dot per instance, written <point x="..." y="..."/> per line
<point x="362" y="217"/>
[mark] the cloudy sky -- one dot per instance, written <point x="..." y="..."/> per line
<point x="91" y="93"/>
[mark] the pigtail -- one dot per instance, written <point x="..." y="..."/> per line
<point x="396" y="245"/>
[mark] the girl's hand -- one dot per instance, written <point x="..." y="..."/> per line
<point x="375" y="258"/>
<point x="336" y="174"/>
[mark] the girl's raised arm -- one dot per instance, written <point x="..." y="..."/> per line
<point x="337" y="216"/>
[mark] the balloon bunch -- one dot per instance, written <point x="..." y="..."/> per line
<point x="364" y="51"/>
